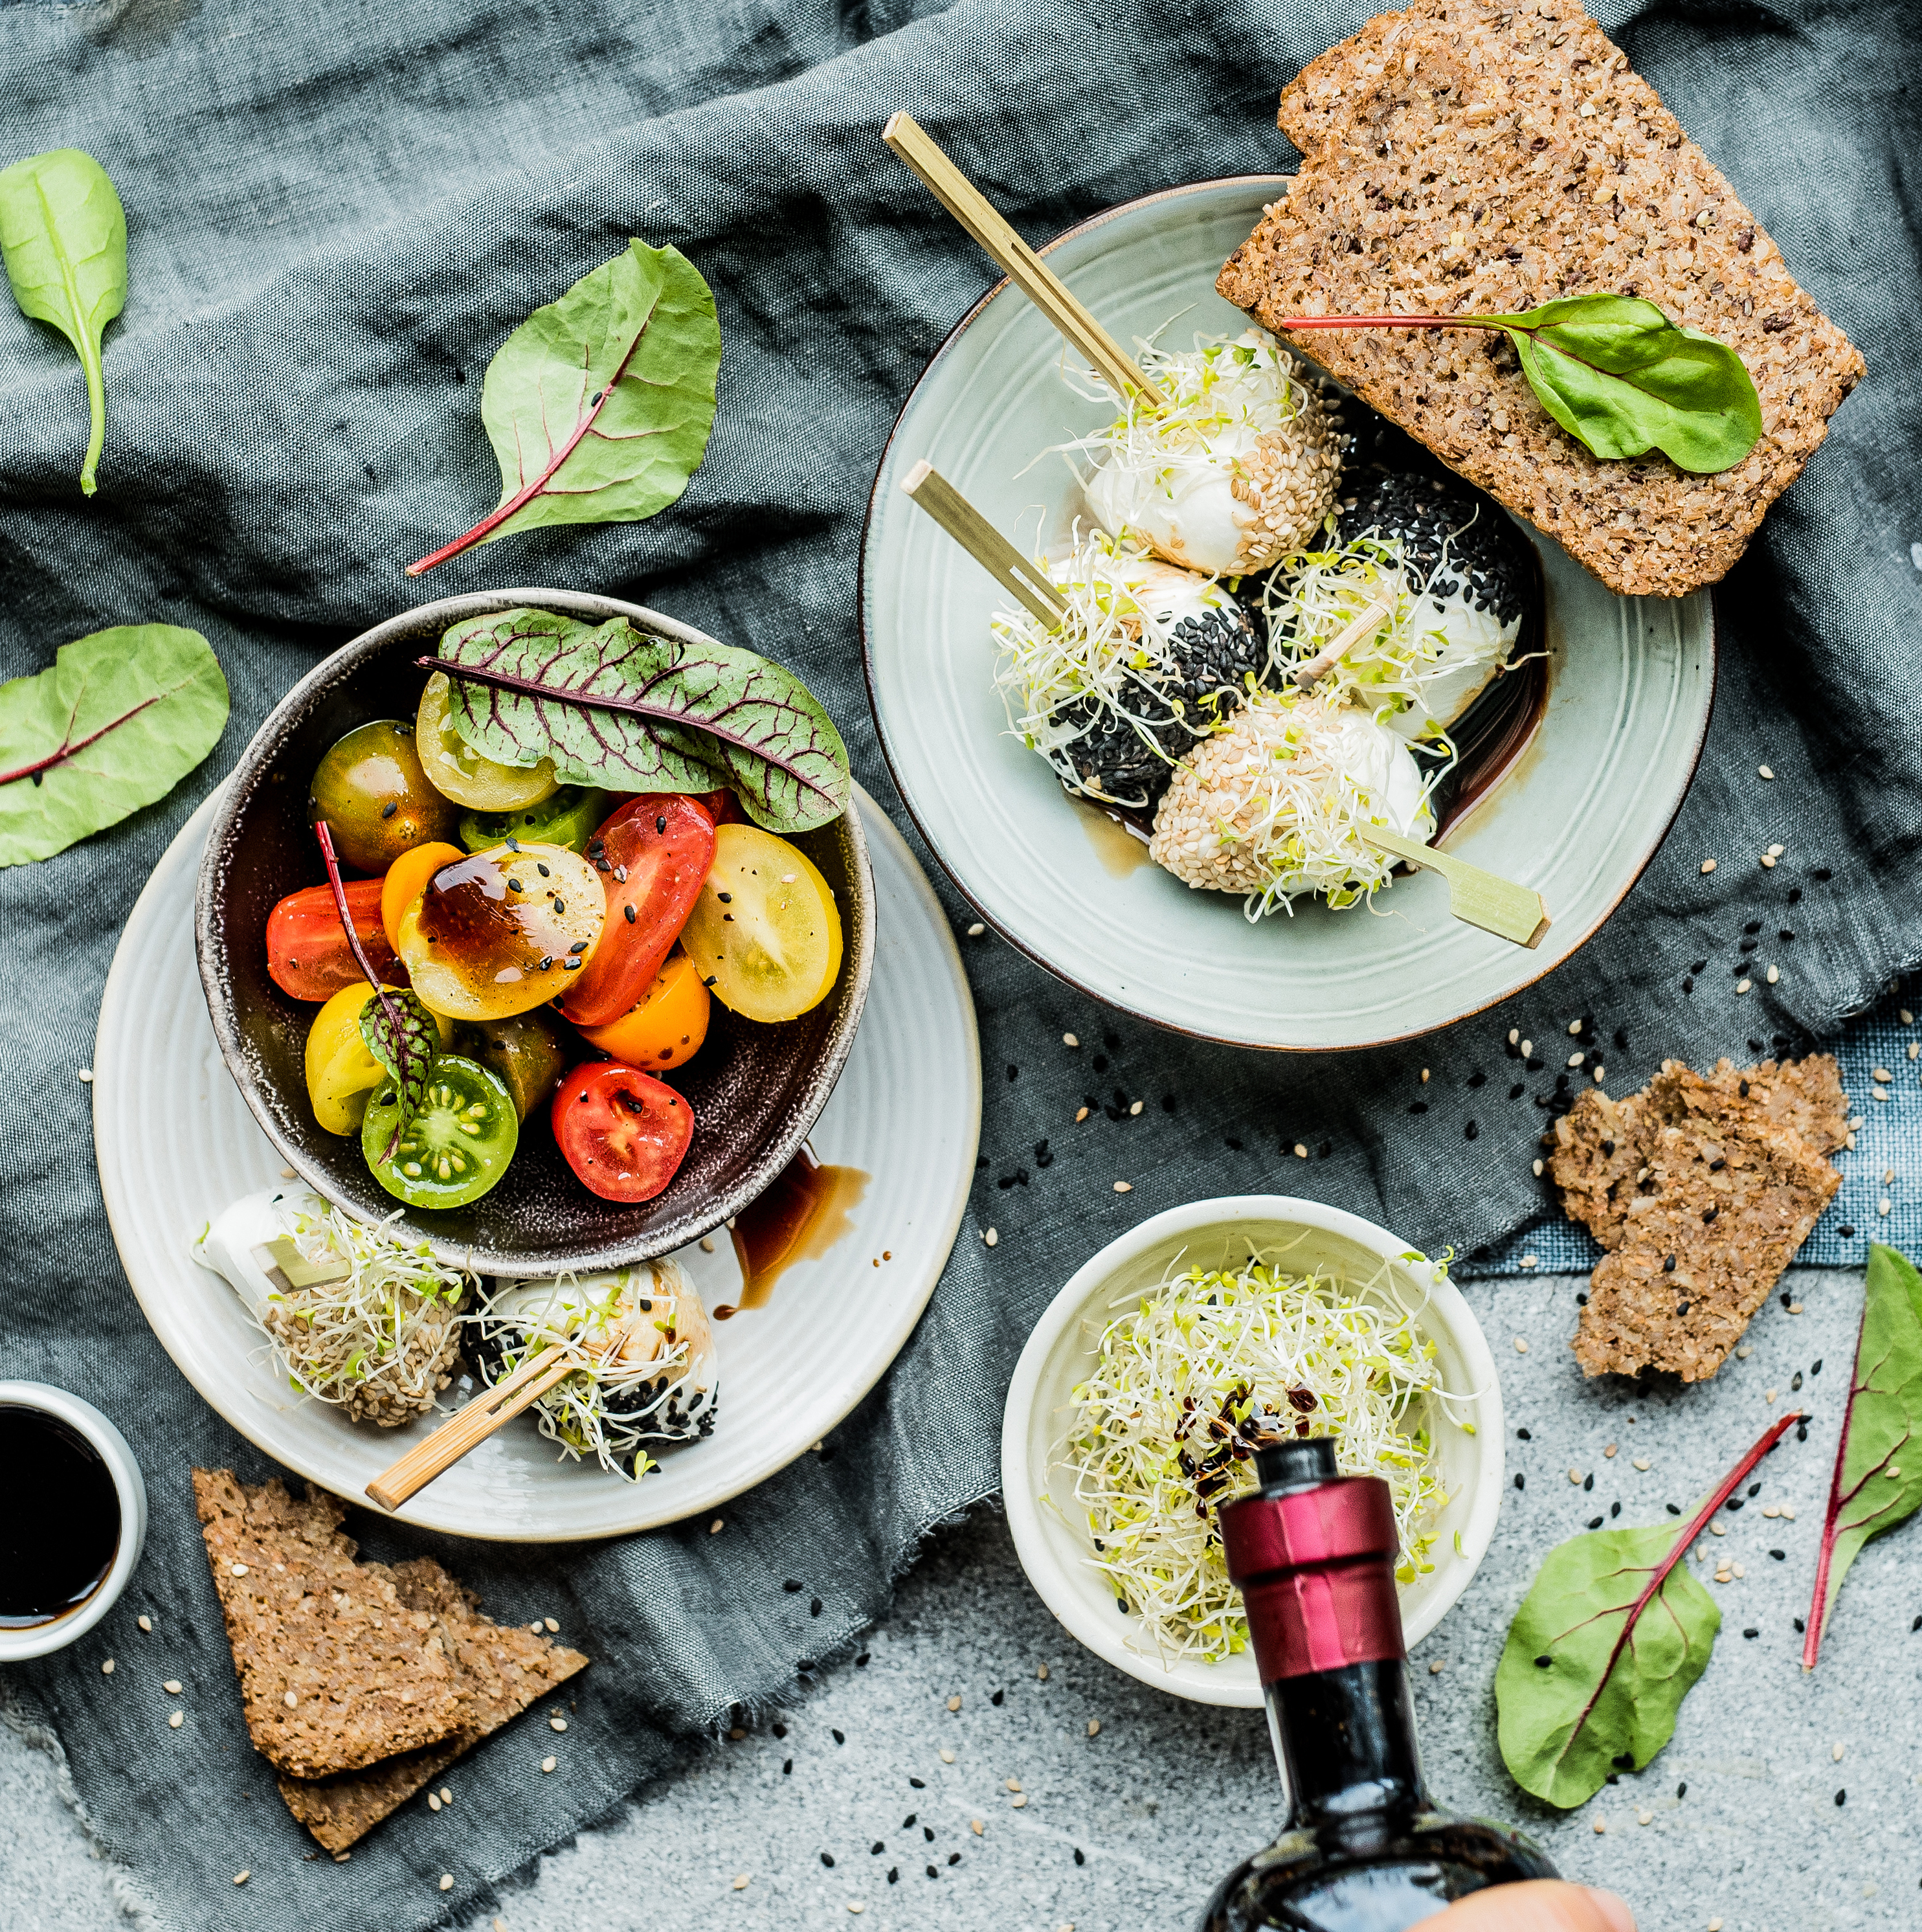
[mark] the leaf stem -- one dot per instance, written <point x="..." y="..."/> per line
<point x="66" y="749"/>
<point x="324" y="833"/>
<point x="1294" y="322"/>
<point x="1660" y="1576"/>
<point x="1811" y="1641"/>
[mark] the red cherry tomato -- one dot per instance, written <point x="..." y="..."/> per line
<point x="624" y="1132"/>
<point x="723" y="807"/>
<point x="653" y="854"/>
<point x="307" y="953"/>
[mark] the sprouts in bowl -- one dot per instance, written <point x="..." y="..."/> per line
<point x="1242" y="1307"/>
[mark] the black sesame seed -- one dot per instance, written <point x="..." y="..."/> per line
<point x="1780" y="1555"/>
<point x="1523" y="1436"/>
<point x="540" y="867"/>
<point x="1418" y="1107"/>
<point x="827" y="1859"/>
<point x="388" y="810"/>
<point x="894" y="1874"/>
<point x="1615" y="1509"/>
<point x="1815" y="1367"/>
<point x="560" y="904"/>
<point x="1623" y="1760"/>
<point x="1545" y="1664"/>
<point x="788" y="1767"/>
<point x="999" y="1698"/>
<point x="813" y="1607"/>
<point x="876" y="1849"/>
<point x="839" y="1737"/>
<point x="1478" y="1078"/>
<point x="1847" y="1232"/>
<point x="793" y="1586"/>
<point x="629" y="911"/>
<point x="1470" y="1131"/>
<point x="661" y="823"/>
<point x="917" y="1784"/>
<point x="1841" y="1797"/>
<point x="913" y="1818"/>
<point x="1798" y="1624"/>
<point x="779" y="1730"/>
<point x="1515" y="1092"/>
<point x="932" y="1872"/>
<point x="1080" y="1857"/>
<point x="1595" y="1522"/>
<point x="1822" y="873"/>
<point x="1672" y="1508"/>
<point x="1520" y="1481"/>
<point x="1588" y="1482"/>
<point x="1669" y="1265"/>
<point x="928" y="1832"/>
<point x="954" y="1857"/>
<point x="579" y="946"/>
<point x="1751" y="1631"/>
<point x="1582" y="1299"/>
<point x="1688" y="984"/>
<point x="1681" y="1792"/>
<point x="1121" y="1604"/>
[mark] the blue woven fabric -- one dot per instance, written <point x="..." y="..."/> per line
<point x="336" y="213"/>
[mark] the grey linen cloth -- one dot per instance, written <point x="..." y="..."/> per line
<point x="336" y="215"/>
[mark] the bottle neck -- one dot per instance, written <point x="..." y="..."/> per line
<point x="1345" y="1739"/>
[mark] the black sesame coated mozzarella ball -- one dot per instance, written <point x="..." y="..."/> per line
<point x="1455" y="542"/>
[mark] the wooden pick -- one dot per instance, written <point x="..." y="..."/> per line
<point x="472" y="1426"/>
<point x="1016" y="574"/>
<point x="1017" y="260"/>
<point x="1475" y="897"/>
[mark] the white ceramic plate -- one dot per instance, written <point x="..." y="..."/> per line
<point x="1589" y="802"/>
<point x="1038" y="1482"/>
<point x="176" y="1144"/>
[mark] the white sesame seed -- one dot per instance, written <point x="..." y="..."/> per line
<point x="447" y="1881"/>
<point x="1776" y="851"/>
<point x="146" y="1623"/>
<point x="1747" y="1349"/>
<point x="707" y="1244"/>
<point x="1424" y="1076"/>
<point x="1538" y="1168"/>
<point x="1576" y="1059"/>
<point x="954" y="1704"/>
<point x="1094" y="1727"/>
<point x="1608" y="1453"/>
<point x="740" y="1881"/>
<point x="1743" y="985"/>
<point x="237" y="1569"/>
<point x="1642" y="1463"/>
<point x="1835" y="1754"/>
<point x="1017" y="1803"/>
<point x="1914" y="1049"/>
<point x="1514" y="1034"/>
<point x="1438" y="1666"/>
<point x="1882" y="1205"/>
<point x="433" y="1801"/>
<point x="1601" y="1074"/>
<point x="1014" y="1784"/>
<point x="1574" y="1477"/>
<point x="1762" y="771"/>
<point x="1907" y="1017"/>
<point x="976" y="930"/>
<point x="947" y="1757"/>
<point x="1767" y="1395"/>
<point x="557" y="1723"/>
<point x="551" y="1623"/>
<point x="1707" y="866"/>
<point x="1135" y="1109"/>
<point x="976" y="1826"/>
<point x="1080" y="1114"/>
<point x="87" y="1075"/>
<point x="1041" y="1671"/>
<point x="1601" y="1825"/>
<point x="242" y="1877"/>
<point x="176" y="1720"/>
<point x="1880" y="1073"/>
<point x="1527" y="1261"/>
<point x="1794" y="1308"/>
<point x="857" y="1905"/>
<point x="992" y="1238"/>
<point x="1124" y="1187"/>
<point x="1773" y="973"/>
<point x="1768" y="861"/>
<point x="1527" y="1047"/>
<point x="446" y="1796"/>
<point x="1521" y="1346"/>
<point x="1574" y="1027"/>
<point x="714" y="1528"/>
<point x="1300" y="1151"/>
<point x="172" y="1687"/>
<point x="548" y="1764"/>
<point x="290" y="1700"/>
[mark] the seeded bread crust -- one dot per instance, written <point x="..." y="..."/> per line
<point x="1462" y="157"/>
<point x="503" y="1669"/>
<point x="369" y="1676"/>
<point x="1682" y="1287"/>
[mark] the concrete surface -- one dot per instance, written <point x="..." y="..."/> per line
<point x="1168" y="1795"/>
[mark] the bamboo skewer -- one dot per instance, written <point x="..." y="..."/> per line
<point x="1016" y="260"/>
<point x="1476" y="897"/>
<point x="1018" y="575"/>
<point x="472" y="1427"/>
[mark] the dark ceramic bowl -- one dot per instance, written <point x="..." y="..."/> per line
<point x="755" y="1089"/>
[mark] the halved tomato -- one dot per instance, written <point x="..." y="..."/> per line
<point x="667" y="1027"/>
<point x="407" y="878"/>
<point x="652" y="857"/>
<point x="307" y="954"/>
<point x="624" y="1132"/>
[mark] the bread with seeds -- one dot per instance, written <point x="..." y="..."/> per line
<point x="1468" y="158"/>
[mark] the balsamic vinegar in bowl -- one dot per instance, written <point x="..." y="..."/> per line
<point x="59" y="1539"/>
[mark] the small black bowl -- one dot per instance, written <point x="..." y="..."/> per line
<point x="756" y="1089"/>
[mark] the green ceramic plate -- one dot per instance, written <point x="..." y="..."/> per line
<point x="1577" y="817"/>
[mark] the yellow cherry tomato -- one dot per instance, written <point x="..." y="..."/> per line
<point x="666" y="1028"/>
<point x="454" y="769"/>
<point x="340" y="1071"/>
<point x="764" y="934"/>
<point x="502" y="932"/>
<point x="407" y="878"/>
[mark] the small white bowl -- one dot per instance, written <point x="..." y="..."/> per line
<point x="1055" y="1550"/>
<point x="36" y="1639"/>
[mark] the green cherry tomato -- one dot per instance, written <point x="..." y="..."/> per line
<point x="528" y="1051"/>
<point x="371" y="791"/>
<point x="456" y="1148"/>
<point x="568" y="818"/>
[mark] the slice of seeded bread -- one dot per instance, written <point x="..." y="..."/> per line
<point x="1597" y="1151"/>
<point x="1464" y="157"/>
<point x="335" y="1671"/>
<point x="503" y="1669"/>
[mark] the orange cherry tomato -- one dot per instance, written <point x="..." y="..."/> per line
<point x="407" y="878"/>
<point x="667" y="1027"/>
<point x="307" y="954"/>
<point x="624" y="1132"/>
<point x="652" y="857"/>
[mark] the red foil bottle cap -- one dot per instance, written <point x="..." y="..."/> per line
<point x="1314" y="1554"/>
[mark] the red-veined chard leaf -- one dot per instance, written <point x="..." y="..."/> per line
<point x="1610" y="1639"/>
<point x="63" y="233"/>
<point x="116" y="722"/>
<point x="599" y="405"/>
<point x="1878" y="1478"/>
<point x="1616" y="374"/>
<point x="400" y="1032"/>
<point x="621" y="708"/>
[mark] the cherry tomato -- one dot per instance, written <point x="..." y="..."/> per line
<point x="502" y="931"/>
<point x="624" y="1133"/>
<point x="455" y="768"/>
<point x="723" y="807"/>
<point x="307" y="954"/>
<point x="371" y="791"/>
<point x="667" y="1027"/>
<point x="527" y="1050"/>
<point x="653" y="855"/>
<point x="407" y="878"/>
<point x="340" y="1071"/>
<point x="455" y="1148"/>
<point x="568" y="818"/>
<point x="765" y="931"/>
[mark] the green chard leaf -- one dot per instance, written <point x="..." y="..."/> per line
<point x="599" y="406"/>
<point x="1610" y="1639"/>
<point x="63" y="234"/>
<point x="402" y="1036"/>
<point x="1621" y="379"/>
<point x="620" y="708"/>
<point x="117" y="721"/>
<point x="1877" y="1482"/>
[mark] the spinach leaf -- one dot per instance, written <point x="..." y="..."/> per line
<point x="399" y="1031"/>
<point x="63" y="233"/>
<point x="1610" y="1639"/>
<point x="1872" y="1490"/>
<point x="621" y="708"/>
<point x="599" y="406"/>
<point x="116" y="722"/>
<point x="1616" y="374"/>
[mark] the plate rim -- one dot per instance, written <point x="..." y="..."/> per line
<point x="154" y="1300"/>
<point x="1134" y="1010"/>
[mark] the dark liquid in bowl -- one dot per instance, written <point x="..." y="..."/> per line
<point x="62" y="1527"/>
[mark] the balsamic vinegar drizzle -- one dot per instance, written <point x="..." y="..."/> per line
<point x="802" y="1215"/>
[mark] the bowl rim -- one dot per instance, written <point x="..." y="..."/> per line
<point x="1049" y="1576"/>
<point x="129" y="1490"/>
<point x="794" y="1128"/>
<point x="1282" y="183"/>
